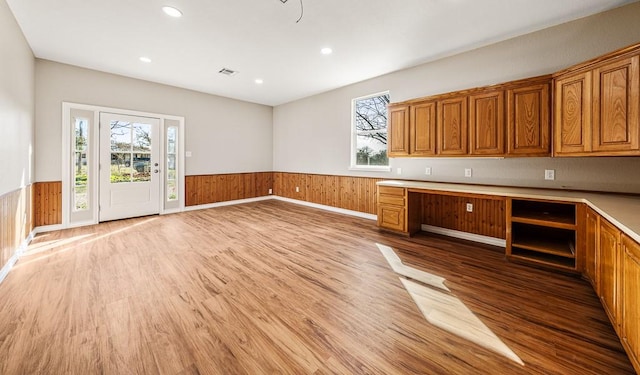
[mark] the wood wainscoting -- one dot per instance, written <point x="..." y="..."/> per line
<point x="47" y="203"/>
<point x="213" y="188"/>
<point x="347" y="192"/>
<point x="449" y="211"/>
<point x="16" y="221"/>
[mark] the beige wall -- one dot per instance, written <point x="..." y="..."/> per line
<point x="313" y="134"/>
<point x="224" y="135"/>
<point x="16" y="104"/>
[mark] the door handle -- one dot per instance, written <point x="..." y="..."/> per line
<point x="156" y="170"/>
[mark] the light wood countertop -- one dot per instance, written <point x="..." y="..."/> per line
<point x="621" y="210"/>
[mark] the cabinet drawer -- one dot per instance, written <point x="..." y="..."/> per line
<point x="391" y="217"/>
<point x="391" y="199"/>
<point x="387" y="190"/>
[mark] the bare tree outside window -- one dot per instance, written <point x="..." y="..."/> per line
<point x="370" y="126"/>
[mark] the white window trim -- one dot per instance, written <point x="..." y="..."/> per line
<point x="354" y="139"/>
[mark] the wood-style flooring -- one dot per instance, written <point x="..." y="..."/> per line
<point x="276" y="288"/>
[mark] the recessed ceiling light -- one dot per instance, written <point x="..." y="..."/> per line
<point x="145" y="59"/>
<point x="171" y="11"/>
<point x="326" y="51"/>
<point x="259" y="81"/>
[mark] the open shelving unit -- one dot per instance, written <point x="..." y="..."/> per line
<point x="543" y="233"/>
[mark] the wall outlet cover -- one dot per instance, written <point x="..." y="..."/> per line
<point x="399" y="170"/>
<point x="549" y="174"/>
<point x="468" y="172"/>
<point x="469" y="207"/>
<point x="427" y="171"/>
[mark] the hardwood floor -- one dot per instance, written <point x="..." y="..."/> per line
<point x="271" y="287"/>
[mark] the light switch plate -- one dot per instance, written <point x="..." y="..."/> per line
<point x="399" y="170"/>
<point x="187" y="154"/>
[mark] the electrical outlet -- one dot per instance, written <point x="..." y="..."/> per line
<point x="469" y="207"/>
<point x="270" y="191"/>
<point x="187" y="154"/>
<point x="399" y="170"/>
<point x="297" y="189"/>
<point x="467" y="172"/>
<point x="427" y="171"/>
<point x="549" y="174"/>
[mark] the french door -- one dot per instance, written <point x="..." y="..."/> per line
<point x="129" y="166"/>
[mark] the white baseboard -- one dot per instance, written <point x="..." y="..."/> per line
<point x="12" y="261"/>
<point x="227" y="203"/>
<point x="328" y="208"/>
<point x="51" y="228"/>
<point x="465" y="236"/>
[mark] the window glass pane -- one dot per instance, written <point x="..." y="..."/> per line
<point x="120" y="136"/>
<point x="82" y="133"/>
<point x="80" y="168"/>
<point x="142" y="137"/>
<point x="79" y="164"/>
<point x="370" y="127"/>
<point x="141" y="169"/>
<point x="370" y="151"/>
<point x="80" y="198"/>
<point x="172" y="190"/>
<point x="171" y="167"/>
<point x="120" y="167"/>
<point x="171" y="140"/>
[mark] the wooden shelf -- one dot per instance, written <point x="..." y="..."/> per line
<point x="547" y="220"/>
<point x="543" y="259"/>
<point x="544" y="233"/>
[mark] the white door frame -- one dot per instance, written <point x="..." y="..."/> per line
<point x="93" y="178"/>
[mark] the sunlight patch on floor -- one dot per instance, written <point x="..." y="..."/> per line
<point x="443" y="309"/>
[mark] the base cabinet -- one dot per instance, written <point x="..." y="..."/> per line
<point x="592" y="233"/>
<point x="609" y="270"/>
<point x="630" y="298"/>
<point x="392" y="211"/>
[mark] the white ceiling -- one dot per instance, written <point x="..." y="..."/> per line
<point x="261" y="39"/>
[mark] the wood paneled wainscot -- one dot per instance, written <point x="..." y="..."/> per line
<point x="597" y="106"/>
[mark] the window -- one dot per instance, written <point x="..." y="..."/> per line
<point x="80" y="170"/>
<point x="172" y="156"/>
<point x="369" y="123"/>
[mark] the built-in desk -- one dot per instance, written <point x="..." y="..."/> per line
<point x="594" y="234"/>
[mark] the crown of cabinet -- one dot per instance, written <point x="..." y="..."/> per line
<point x="509" y="119"/>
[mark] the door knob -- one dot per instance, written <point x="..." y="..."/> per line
<point x="156" y="170"/>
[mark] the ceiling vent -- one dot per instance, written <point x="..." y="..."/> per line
<point x="228" y="72"/>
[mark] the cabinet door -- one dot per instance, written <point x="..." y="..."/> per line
<point x="486" y="123"/>
<point x="423" y="129"/>
<point x="572" y="114"/>
<point x="398" y="131"/>
<point x="591" y="247"/>
<point x="609" y="268"/>
<point x="616" y="90"/>
<point x="528" y="122"/>
<point x="631" y="299"/>
<point x="452" y="126"/>
<point x="391" y="217"/>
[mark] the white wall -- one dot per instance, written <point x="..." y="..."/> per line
<point x="16" y="104"/>
<point x="224" y="135"/>
<point x="312" y="135"/>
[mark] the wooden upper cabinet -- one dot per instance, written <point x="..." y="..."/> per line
<point x="572" y="116"/>
<point x="398" y="130"/>
<point x="422" y="129"/>
<point x="486" y="123"/>
<point x="616" y="98"/>
<point x="597" y="106"/>
<point x="609" y="270"/>
<point x="631" y="299"/>
<point x="452" y="126"/>
<point x="528" y="120"/>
